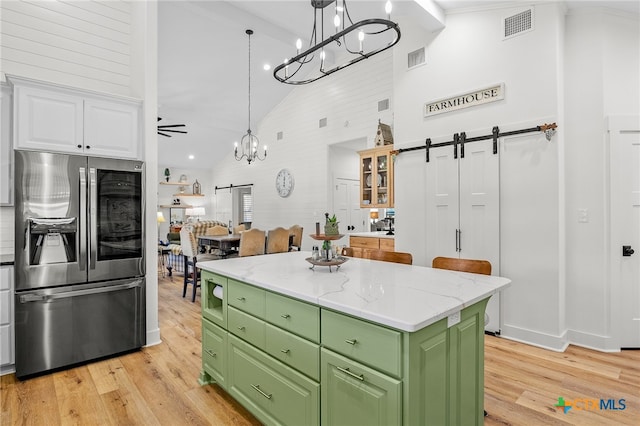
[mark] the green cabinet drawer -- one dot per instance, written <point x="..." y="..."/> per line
<point x="213" y="308"/>
<point x="353" y="394"/>
<point x="246" y="298"/>
<point x="294" y="351"/>
<point x="292" y="315"/>
<point x="273" y="392"/>
<point x="246" y="327"/>
<point x="214" y="352"/>
<point x="371" y="344"/>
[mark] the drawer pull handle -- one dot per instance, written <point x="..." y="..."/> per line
<point x="212" y="353"/>
<point x="354" y="375"/>
<point x="242" y="299"/>
<point x="351" y="342"/>
<point x="285" y="316"/>
<point x="241" y="328"/>
<point x="257" y="387"/>
<point x="285" y="351"/>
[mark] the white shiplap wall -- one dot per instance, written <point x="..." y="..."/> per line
<point x="350" y="105"/>
<point x="78" y="43"/>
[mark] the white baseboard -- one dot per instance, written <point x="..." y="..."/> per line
<point x="535" y="338"/>
<point x="153" y="337"/>
<point x="593" y="341"/>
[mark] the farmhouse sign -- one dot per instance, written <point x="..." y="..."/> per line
<point x="478" y="97"/>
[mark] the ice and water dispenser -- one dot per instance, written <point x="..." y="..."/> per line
<point x="52" y="240"/>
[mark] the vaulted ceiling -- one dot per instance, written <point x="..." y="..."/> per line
<point x="203" y="63"/>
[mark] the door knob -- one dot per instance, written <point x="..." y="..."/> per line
<point x="627" y="251"/>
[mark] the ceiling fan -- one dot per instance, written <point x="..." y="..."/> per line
<point x="162" y="129"/>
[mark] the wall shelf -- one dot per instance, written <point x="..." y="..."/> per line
<point x="188" y="195"/>
<point x="175" y="183"/>
<point x="176" y="206"/>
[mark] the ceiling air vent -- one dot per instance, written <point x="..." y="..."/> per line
<point x="323" y="122"/>
<point x="519" y="23"/>
<point x="383" y="105"/>
<point x="415" y="58"/>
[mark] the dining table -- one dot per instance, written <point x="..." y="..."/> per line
<point x="225" y="243"/>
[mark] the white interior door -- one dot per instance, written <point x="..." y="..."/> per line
<point x="463" y="197"/>
<point x="346" y="202"/>
<point x="480" y="214"/>
<point x="624" y="139"/>
<point x="442" y="203"/>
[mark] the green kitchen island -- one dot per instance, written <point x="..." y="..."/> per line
<point x="374" y="343"/>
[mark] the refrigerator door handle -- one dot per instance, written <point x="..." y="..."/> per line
<point x="93" y="200"/>
<point x="83" y="219"/>
<point x="26" y="298"/>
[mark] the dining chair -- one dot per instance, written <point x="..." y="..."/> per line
<point x="388" y="256"/>
<point x="296" y="231"/>
<point x="277" y="240"/>
<point x="251" y="242"/>
<point x="217" y="230"/>
<point x="238" y="229"/>
<point x="191" y="259"/>
<point x="463" y="265"/>
<point x="475" y="266"/>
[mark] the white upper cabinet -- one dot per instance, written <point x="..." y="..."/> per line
<point x="111" y="128"/>
<point x="6" y="159"/>
<point x="58" y="119"/>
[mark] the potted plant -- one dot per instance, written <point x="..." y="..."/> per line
<point x="167" y="174"/>
<point x="331" y="225"/>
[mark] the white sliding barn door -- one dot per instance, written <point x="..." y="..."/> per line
<point x="463" y="214"/>
<point x="624" y="150"/>
<point x="442" y="203"/>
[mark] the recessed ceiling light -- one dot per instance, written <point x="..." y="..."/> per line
<point x="266" y="67"/>
<point x="191" y="156"/>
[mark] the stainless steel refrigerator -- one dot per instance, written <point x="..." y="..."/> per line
<point x="79" y="259"/>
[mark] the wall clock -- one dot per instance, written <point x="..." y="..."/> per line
<point x="284" y="183"/>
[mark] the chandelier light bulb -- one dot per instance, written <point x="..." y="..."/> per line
<point x="336" y="20"/>
<point x="361" y="38"/>
<point x="388" y="7"/>
<point x="298" y="47"/>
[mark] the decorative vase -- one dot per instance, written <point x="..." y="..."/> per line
<point x="331" y="228"/>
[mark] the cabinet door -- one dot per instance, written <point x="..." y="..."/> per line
<point x="214" y="352"/>
<point x="353" y="394"/>
<point x="111" y="128"/>
<point x="7" y="345"/>
<point x="48" y="120"/>
<point x="273" y="392"/>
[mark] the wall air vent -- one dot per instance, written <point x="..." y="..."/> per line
<point x="415" y="58"/>
<point x="279" y="136"/>
<point x="322" y="123"/>
<point x="383" y="105"/>
<point x="517" y="24"/>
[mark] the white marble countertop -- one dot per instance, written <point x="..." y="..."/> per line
<point x="403" y="297"/>
<point x="373" y="234"/>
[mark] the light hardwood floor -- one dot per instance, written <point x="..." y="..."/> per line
<point x="158" y="384"/>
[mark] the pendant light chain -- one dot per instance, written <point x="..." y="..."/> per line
<point x="249" y="32"/>
<point x="248" y="146"/>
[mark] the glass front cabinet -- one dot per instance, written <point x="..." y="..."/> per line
<point x="376" y="177"/>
